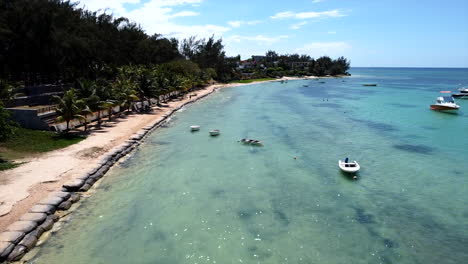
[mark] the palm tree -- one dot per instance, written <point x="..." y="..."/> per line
<point x="125" y="92"/>
<point x="69" y="107"/>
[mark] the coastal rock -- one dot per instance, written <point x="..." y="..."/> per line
<point x="64" y="206"/>
<point x="43" y="208"/>
<point x="38" y="232"/>
<point x="54" y="201"/>
<point x="75" y="198"/>
<point x="74" y="185"/>
<point x="98" y="175"/>
<point x="47" y="225"/>
<point x="135" y="137"/>
<point x="5" y="250"/>
<point x="29" y="241"/>
<point x="11" y="236"/>
<point x="93" y="171"/>
<point x="17" y="253"/>
<point x="53" y="217"/>
<point x="85" y="187"/>
<point x="105" y="160"/>
<point x="63" y="195"/>
<point x="36" y="217"/>
<point x="91" y="181"/>
<point x="83" y="176"/>
<point x="22" y="226"/>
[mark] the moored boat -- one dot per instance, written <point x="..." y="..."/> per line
<point x="463" y="93"/>
<point x="194" y="128"/>
<point x="369" y="84"/>
<point x="349" y="167"/>
<point x="251" y="142"/>
<point x="214" y="132"/>
<point x="445" y="103"/>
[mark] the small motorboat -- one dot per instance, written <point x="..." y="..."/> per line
<point x="369" y="84"/>
<point x="194" y="128"/>
<point x="349" y="167"/>
<point x="445" y="103"/>
<point x="214" y="132"/>
<point x="463" y="93"/>
<point x="251" y="142"/>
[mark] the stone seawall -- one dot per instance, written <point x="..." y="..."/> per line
<point x="23" y="235"/>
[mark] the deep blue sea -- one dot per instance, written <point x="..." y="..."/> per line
<point x="187" y="197"/>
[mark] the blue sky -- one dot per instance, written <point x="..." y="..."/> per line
<point x="373" y="33"/>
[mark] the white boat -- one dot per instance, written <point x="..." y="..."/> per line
<point x="463" y="93"/>
<point x="349" y="167"/>
<point x="445" y="103"/>
<point x="214" y="132"/>
<point x="194" y="128"/>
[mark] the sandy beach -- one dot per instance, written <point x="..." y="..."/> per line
<point x="24" y="186"/>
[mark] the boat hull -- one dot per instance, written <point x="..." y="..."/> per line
<point x="443" y="108"/>
<point x="461" y="95"/>
<point x="194" y="128"/>
<point x="214" y="133"/>
<point x="349" y="169"/>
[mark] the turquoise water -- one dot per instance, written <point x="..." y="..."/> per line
<point x="190" y="198"/>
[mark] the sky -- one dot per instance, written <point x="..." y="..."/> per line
<point x="371" y="33"/>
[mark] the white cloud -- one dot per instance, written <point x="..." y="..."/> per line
<point x="235" y="24"/>
<point x="157" y="16"/>
<point x="307" y="15"/>
<point x="260" y="39"/>
<point x="317" y="49"/>
<point x="317" y="1"/>
<point x="331" y="32"/>
<point x="238" y="23"/>
<point x="298" y="25"/>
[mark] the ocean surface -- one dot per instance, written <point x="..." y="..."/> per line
<point x="187" y="197"/>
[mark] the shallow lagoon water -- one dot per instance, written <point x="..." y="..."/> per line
<point x="190" y="198"/>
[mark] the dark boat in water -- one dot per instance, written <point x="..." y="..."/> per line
<point x="463" y="93"/>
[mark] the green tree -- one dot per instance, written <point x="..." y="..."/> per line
<point x="7" y="127"/>
<point x="69" y="108"/>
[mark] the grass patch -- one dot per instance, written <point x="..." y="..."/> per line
<point x="26" y="142"/>
<point x="254" y="80"/>
<point x="6" y="165"/>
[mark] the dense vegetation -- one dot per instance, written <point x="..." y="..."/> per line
<point x="54" y="40"/>
<point x="110" y="61"/>
<point x="275" y="65"/>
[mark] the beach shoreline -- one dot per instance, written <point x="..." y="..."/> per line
<point x="24" y="186"/>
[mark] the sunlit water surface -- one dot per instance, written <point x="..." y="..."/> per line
<point x="190" y="198"/>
